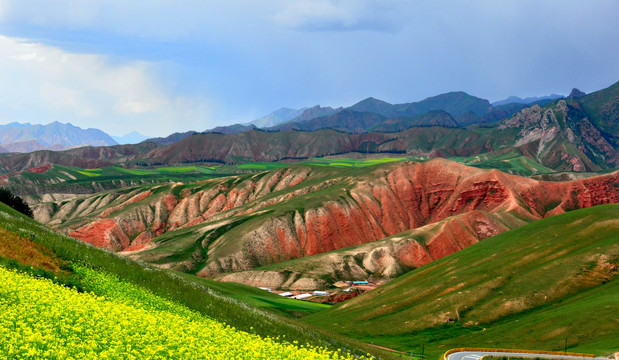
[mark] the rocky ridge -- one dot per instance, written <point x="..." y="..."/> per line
<point x="562" y="137"/>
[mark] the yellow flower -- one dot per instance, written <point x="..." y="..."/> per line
<point x="44" y="320"/>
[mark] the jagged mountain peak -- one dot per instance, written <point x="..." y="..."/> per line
<point x="575" y="94"/>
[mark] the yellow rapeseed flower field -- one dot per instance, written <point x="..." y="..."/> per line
<point x="117" y="320"/>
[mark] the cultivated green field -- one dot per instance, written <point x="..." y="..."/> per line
<point x="510" y="162"/>
<point x="76" y="175"/>
<point x="346" y="162"/>
<point x="73" y="180"/>
<point x="531" y="287"/>
<point x="334" y="162"/>
<point x="71" y="173"/>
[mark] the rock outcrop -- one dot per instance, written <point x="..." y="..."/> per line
<point x="562" y="137"/>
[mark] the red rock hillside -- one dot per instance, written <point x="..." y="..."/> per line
<point x="241" y="223"/>
<point x="398" y="198"/>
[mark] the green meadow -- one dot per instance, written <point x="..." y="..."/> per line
<point x="510" y="162"/>
<point x="540" y="284"/>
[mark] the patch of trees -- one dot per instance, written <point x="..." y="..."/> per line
<point x="15" y="202"/>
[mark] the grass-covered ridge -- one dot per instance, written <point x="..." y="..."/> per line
<point x="536" y="285"/>
<point x="201" y="296"/>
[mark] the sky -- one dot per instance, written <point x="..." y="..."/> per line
<point x="164" y="66"/>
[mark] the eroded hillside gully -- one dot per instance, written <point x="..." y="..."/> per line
<point x="353" y="226"/>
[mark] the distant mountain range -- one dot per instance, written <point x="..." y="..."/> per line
<point x="277" y="117"/>
<point x="527" y="100"/>
<point x="16" y="137"/>
<point x="454" y="103"/>
<point x="455" y="109"/>
<point x="133" y="137"/>
<point x="452" y="110"/>
<point x="564" y="135"/>
<point x="568" y="134"/>
<point x="171" y="139"/>
<point x="579" y="134"/>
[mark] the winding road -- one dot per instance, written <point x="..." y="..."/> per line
<point x="477" y="355"/>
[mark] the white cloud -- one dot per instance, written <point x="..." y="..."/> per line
<point x="43" y="81"/>
<point x="79" y="81"/>
<point x="339" y="15"/>
<point x="61" y="98"/>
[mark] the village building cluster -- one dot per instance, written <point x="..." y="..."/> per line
<point x="352" y="288"/>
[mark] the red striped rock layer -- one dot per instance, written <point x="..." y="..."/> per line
<point x="130" y="220"/>
<point x="383" y="259"/>
<point x="404" y="197"/>
<point x="389" y="200"/>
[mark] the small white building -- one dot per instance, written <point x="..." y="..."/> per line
<point x="302" y="296"/>
<point x="320" y="293"/>
<point x="286" y="294"/>
<point x="265" y="289"/>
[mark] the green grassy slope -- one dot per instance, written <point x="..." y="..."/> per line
<point x="531" y="287"/>
<point x="205" y="297"/>
<point x="259" y="298"/>
<point x="510" y="162"/>
<point x="603" y="105"/>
